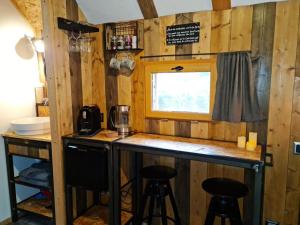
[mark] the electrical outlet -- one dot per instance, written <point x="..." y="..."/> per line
<point x="297" y="148"/>
<point x="271" y="222"/>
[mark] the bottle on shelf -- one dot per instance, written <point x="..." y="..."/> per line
<point x="120" y="45"/>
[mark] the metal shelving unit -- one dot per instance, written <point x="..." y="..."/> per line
<point x="32" y="205"/>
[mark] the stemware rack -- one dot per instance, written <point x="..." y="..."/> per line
<point x="75" y="27"/>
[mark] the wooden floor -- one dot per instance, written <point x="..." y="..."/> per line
<point x="98" y="215"/>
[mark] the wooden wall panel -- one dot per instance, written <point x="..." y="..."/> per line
<point x="298" y="55"/>
<point x="86" y="71"/>
<point x="262" y="50"/>
<point x="240" y="40"/>
<point x="183" y="129"/>
<point x="242" y="28"/>
<point x="151" y="32"/>
<point x="138" y="88"/>
<point x="93" y="73"/>
<point x="75" y="67"/>
<point x="164" y="48"/>
<point x="204" y="18"/>
<point x="221" y="26"/>
<point x="281" y="99"/>
<point x="98" y="74"/>
<point x="292" y="207"/>
<point x="167" y="127"/>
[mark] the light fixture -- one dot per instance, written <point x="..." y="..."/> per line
<point x="37" y="44"/>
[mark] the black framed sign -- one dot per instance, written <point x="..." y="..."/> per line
<point x="183" y="34"/>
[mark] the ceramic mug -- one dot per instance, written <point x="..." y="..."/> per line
<point x="115" y="63"/>
<point x="128" y="64"/>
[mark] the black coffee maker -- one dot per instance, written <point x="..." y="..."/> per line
<point x="89" y="120"/>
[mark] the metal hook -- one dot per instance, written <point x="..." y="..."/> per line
<point x="178" y="68"/>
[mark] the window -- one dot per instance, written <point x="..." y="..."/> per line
<point x="186" y="94"/>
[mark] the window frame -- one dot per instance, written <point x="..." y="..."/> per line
<point x="197" y="65"/>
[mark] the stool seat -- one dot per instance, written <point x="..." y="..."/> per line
<point x="158" y="172"/>
<point x="224" y="187"/>
<point x="157" y="189"/>
<point x="224" y="202"/>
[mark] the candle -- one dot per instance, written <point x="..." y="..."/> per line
<point x="253" y="138"/>
<point x="250" y="146"/>
<point x="241" y="142"/>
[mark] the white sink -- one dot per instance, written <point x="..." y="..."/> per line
<point x="31" y="125"/>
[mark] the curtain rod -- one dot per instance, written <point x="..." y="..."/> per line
<point x="210" y="53"/>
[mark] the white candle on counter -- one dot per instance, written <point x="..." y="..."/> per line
<point x="253" y="138"/>
<point x="241" y="142"/>
<point x="250" y="146"/>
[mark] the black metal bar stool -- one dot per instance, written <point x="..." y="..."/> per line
<point x="224" y="202"/>
<point x="157" y="189"/>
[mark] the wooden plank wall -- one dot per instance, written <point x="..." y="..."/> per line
<point x="269" y="30"/>
<point x="243" y="28"/>
<point x="235" y="36"/>
<point x="279" y="187"/>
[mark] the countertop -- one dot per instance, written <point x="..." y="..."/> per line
<point x="40" y="137"/>
<point x="103" y="135"/>
<point x="190" y="145"/>
<point x="193" y="146"/>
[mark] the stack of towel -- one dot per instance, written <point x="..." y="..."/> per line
<point x="37" y="174"/>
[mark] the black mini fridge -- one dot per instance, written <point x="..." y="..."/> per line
<point x="86" y="167"/>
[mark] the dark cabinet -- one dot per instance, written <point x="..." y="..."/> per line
<point x="86" y="167"/>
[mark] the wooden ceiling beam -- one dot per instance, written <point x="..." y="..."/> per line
<point x="32" y="12"/>
<point x="148" y="9"/>
<point x="21" y="10"/>
<point x="221" y="4"/>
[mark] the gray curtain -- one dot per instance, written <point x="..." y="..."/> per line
<point x="236" y="97"/>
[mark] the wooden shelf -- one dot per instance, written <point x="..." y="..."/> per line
<point x="36" y="206"/>
<point x="18" y="181"/>
<point x="98" y="215"/>
<point x="72" y="26"/>
<point x="132" y="28"/>
<point x="125" y="50"/>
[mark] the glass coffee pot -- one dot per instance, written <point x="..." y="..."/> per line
<point x="118" y="119"/>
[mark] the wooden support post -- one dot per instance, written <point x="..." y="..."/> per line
<point x="59" y="69"/>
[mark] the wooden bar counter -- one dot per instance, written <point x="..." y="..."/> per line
<point x="219" y="152"/>
<point x="194" y="147"/>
